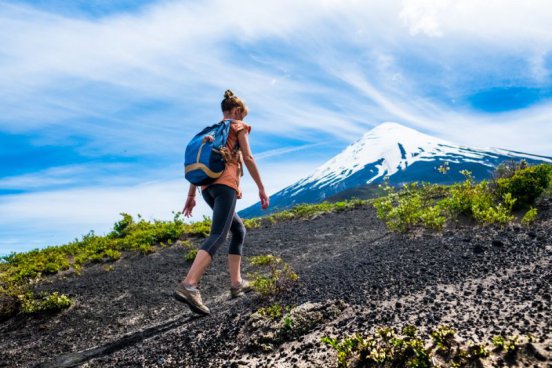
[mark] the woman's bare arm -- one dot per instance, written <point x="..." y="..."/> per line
<point x="252" y="166"/>
<point x="190" y="201"/>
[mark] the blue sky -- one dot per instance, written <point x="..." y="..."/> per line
<point x="98" y="98"/>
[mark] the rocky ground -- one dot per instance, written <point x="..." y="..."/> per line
<point x="354" y="276"/>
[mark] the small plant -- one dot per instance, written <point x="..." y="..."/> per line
<point x="384" y="348"/>
<point x="274" y="311"/>
<point x="267" y="259"/>
<point x="433" y="206"/>
<point x="46" y="303"/>
<point x="280" y="278"/>
<point x="509" y="344"/>
<point x="287" y="323"/>
<point x="190" y="256"/>
<point x="443" y="337"/>
<point x="529" y="217"/>
<point x="252" y="223"/>
<point x="444" y="168"/>
<point x="523" y="182"/>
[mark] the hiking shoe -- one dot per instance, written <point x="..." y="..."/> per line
<point x="237" y="291"/>
<point x="192" y="297"/>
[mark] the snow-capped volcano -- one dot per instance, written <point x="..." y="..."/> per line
<point x="401" y="153"/>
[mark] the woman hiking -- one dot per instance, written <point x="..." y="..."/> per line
<point x="221" y="196"/>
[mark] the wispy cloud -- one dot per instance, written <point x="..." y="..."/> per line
<point x="134" y="86"/>
<point x="58" y="216"/>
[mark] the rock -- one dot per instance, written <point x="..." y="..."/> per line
<point x="478" y="249"/>
<point x="497" y="243"/>
<point x="9" y="306"/>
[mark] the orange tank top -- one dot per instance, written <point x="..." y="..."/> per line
<point x="232" y="172"/>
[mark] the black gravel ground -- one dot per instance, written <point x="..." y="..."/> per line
<point x="481" y="281"/>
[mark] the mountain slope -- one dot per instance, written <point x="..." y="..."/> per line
<point x="480" y="281"/>
<point x="390" y="149"/>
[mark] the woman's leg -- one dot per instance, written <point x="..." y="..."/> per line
<point x="235" y="252"/>
<point x="222" y="200"/>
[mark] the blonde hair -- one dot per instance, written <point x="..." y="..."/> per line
<point x="230" y="101"/>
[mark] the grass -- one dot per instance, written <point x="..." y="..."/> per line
<point x="306" y="211"/>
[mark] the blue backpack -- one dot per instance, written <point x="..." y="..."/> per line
<point x="204" y="161"/>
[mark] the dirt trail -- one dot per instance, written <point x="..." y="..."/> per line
<point x="481" y="281"/>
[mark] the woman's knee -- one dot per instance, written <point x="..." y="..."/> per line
<point x="239" y="231"/>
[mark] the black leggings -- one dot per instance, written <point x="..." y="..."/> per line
<point x="222" y="199"/>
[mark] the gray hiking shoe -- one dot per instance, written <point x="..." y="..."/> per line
<point x="192" y="297"/>
<point x="237" y="291"/>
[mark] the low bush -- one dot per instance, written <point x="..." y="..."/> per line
<point x="279" y="278"/>
<point x="387" y="348"/>
<point x="432" y="206"/>
<point x="525" y="183"/>
<point x="190" y="256"/>
<point x="273" y="311"/>
<point x="44" y="303"/>
<point x="305" y="211"/>
<point x="529" y="217"/>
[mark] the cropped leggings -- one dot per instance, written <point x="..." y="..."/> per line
<point x="222" y="199"/>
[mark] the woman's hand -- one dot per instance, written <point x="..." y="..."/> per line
<point x="189" y="206"/>
<point x="207" y="138"/>
<point x="264" y="199"/>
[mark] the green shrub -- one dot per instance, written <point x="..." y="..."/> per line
<point x="252" y="223"/>
<point x="413" y="205"/>
<point x="46" y="303"/>
<point x="306" y="211"/>
<point x="279" y="279"/>
<point x="524" y="183"/>
<point x="433" y="206"/>
<point x="529" y="217"/>
<point x="274" y="311"/>
<point x="112" y="254"/>
<point x="509" y="344"/>
<point x="386" y="348"/>
<point x="266" y="259"/>
<point x="443" y="338"/>
<point x="190" y="256"/>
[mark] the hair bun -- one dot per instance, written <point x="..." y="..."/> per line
<point x="228" y="94"/>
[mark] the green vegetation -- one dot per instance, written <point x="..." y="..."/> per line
<point x="273" y="311"/>
<point x="523" y="182"/>
<point x="508" y="344"/>
<point x="190" y="256"/>
<point x="271" y="325"/>
<point x="306" y="211"/>
<point x="45" y="303"/>
<point x="514" y="187"/>
<point x="279" y="279"/>
<point x="529" y="217"/>
<point x="386" y="348"/>
<point x="19" y="271"/>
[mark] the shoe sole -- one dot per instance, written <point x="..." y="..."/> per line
<point x="240" y="294"/>
<point x="192" y="306"/>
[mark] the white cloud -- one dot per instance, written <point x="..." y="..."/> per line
<point x="306" y="69"/>
<point x="422" y="16"/>
<point x="57" y="217"/>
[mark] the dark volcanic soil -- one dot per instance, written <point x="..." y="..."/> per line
<point x="479" y="280"/>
